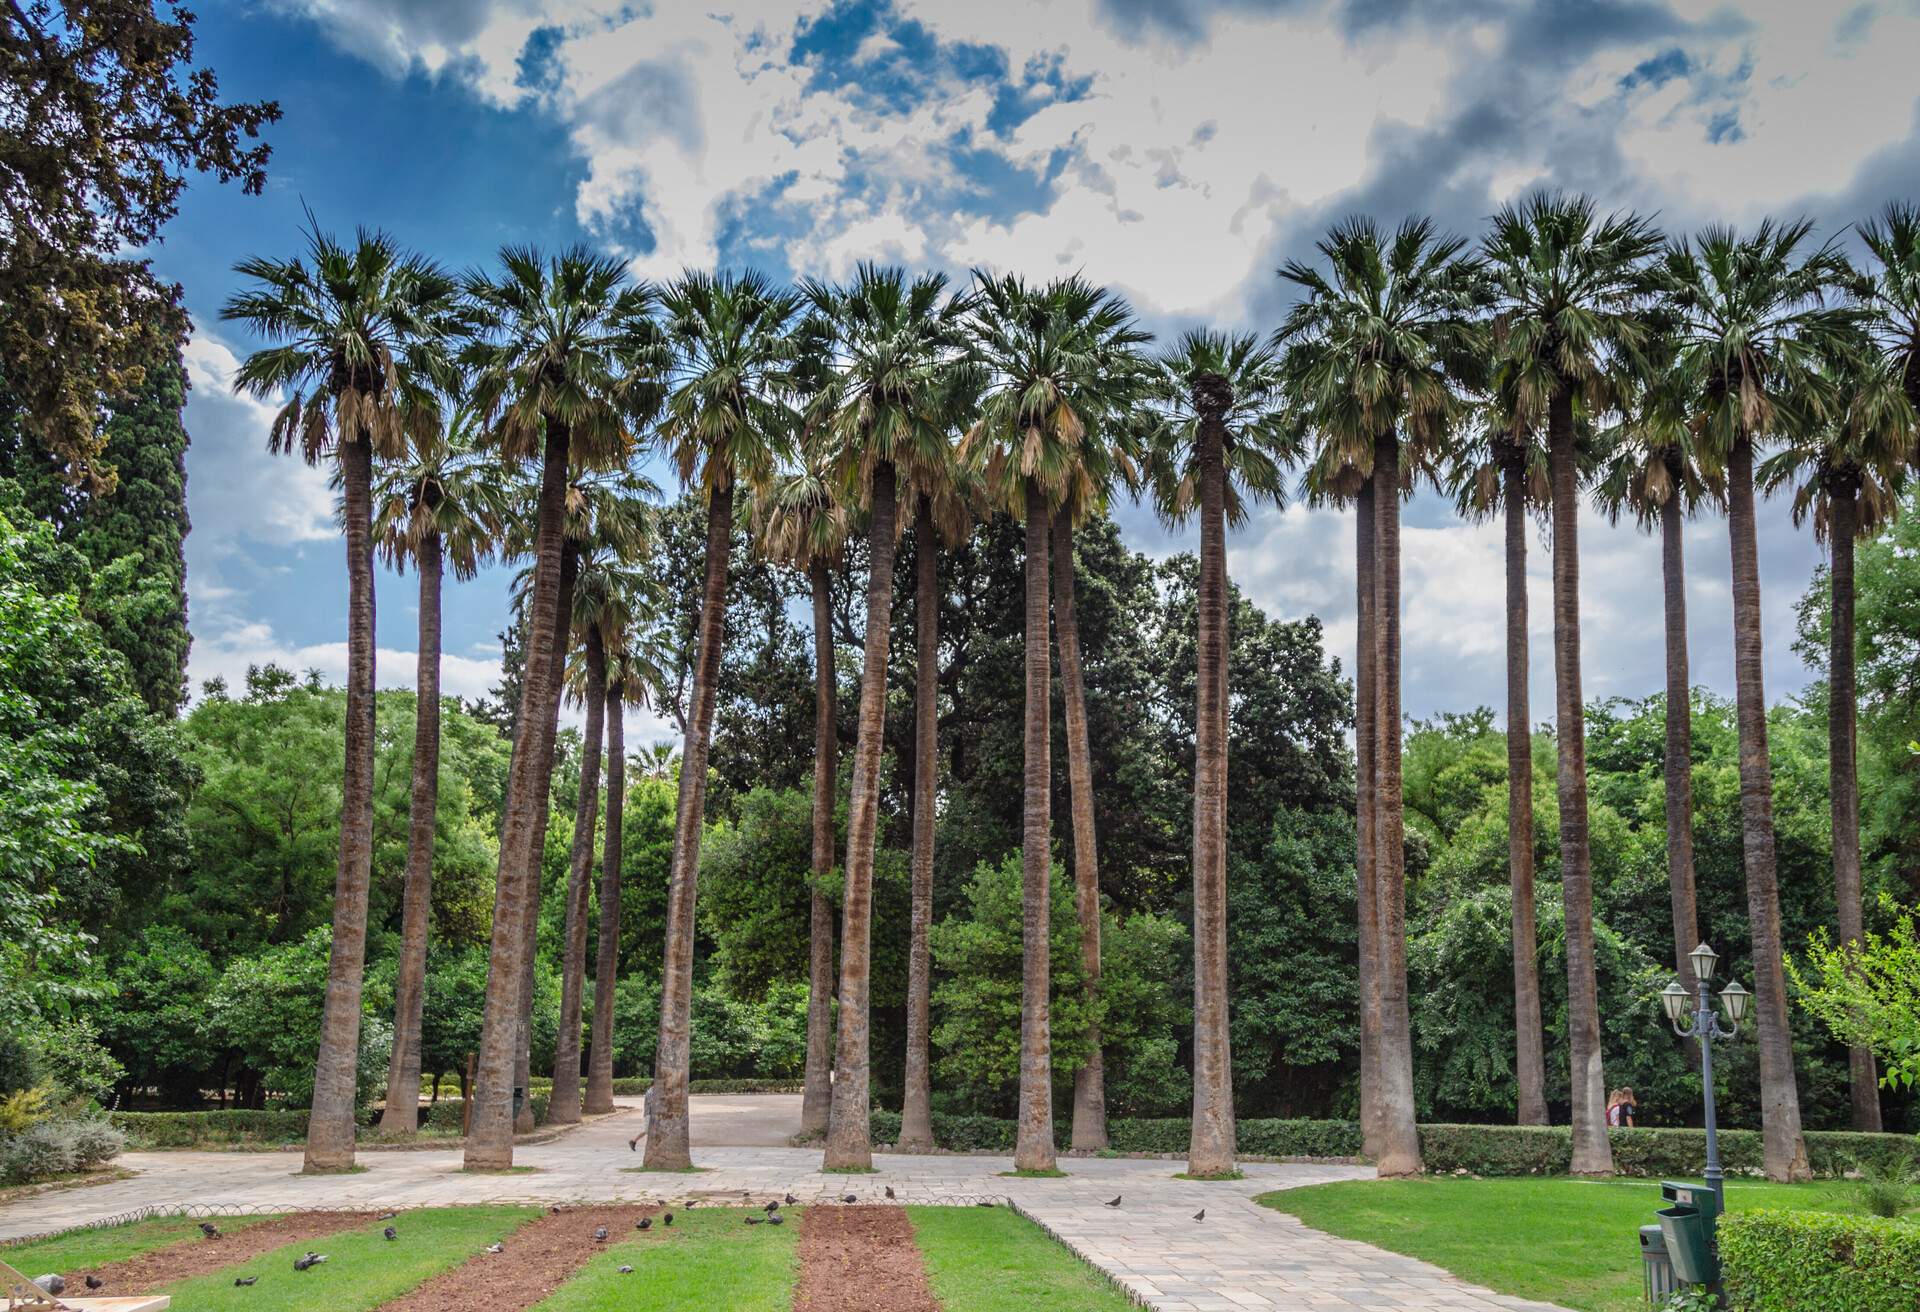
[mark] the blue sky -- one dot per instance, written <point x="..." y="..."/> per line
<point x="1178" y="150"/>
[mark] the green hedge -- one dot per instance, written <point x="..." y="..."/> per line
<point x="632" y="1086"/>
<point x="246" y="1128"/>
<point x="1819" y="1262"/>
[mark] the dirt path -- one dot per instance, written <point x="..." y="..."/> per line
<point x="197" y="1256"/>
<point x="860" y="1259"/>
<point x="540" y="1256"/>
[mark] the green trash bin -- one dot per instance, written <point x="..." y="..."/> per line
<point x="1689" y="1236"/>
<point x="1656" y="1270"/>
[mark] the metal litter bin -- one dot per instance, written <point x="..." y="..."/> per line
<point x="1655" y="1267"/>
<point x="1689" y="1244"/>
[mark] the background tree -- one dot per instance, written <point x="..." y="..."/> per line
<point x="361" y="339"/>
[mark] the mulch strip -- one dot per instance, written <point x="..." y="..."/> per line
<point x="860" y="1259"/>
<point x="198" y="1256"/>
<point x="540" y="1256"/>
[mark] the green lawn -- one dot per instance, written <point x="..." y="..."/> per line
<point x="994" y="1260"/>
<point x="709" y="1259"/>
<point x="1565" y="1241"/>
<point x="362" y="1269"/>
<point x="90" y="1248"/>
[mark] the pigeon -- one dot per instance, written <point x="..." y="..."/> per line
<point x="387" y="1216"/>
<point x="52" y="1284"/>
<point x="633" y="1144"/>
<point x="308" y="1262"/>
<point x="692" y="1203"/>
<point x="848" y="1198"/>
<point x="756" y="1220"/>
<point x="390" y="1233"/>
<point x="984" y="1203"/>
<point x="772" y="1207"/>
<point x="95" y="1282"/>
<point x="644" y="1223"/>
<point x="1200" y="1215"/>
<point x="1115" y="1202"/>
<point x="776" y="1219"/>
<point x="245" y="1282"/>
<point x="889" y="1191"/>
<point x="209" y="1229"/>
<point x="790" y="1200"/>
<point x="496" y="1248"/>
<point x="626" y="1270"/>
<point x="667" y="1220"/>
<point x="600" y="1234"/>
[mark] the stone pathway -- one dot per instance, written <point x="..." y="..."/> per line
<point x="1242" y="1256"/>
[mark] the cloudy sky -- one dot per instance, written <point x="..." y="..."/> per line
<point x="1177" y="150"/>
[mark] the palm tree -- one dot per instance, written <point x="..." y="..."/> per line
<point x="804" y="524"/>
<point x="1847" y="476"/>
<point x="1047" y="352"/>
<point x="360" y="339"/>
<point x="1893" y="293"/>
<point x="881" y="412"/>
<point x="565" y="368"/>
<point x="443" y="503"/>
<point x="1220" y="443"/>
<point x="1567" y="283"/>
<point x="1752" y="328"/>
<point x="1376" y="351"/>
<point x="725" y="421"/>
<point x="1503" y="472"/>
<point x="1654" y="472"/>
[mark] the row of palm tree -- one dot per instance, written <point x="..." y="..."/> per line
<point x="1567" y="351"/>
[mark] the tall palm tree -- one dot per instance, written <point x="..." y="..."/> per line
<point x="1221" y="443"/>
<point x="1653" y="471"/>
<point x="1502" y="472"/>
<point x="1567" y="284"/>
<point x="1377" y="351"/>
<point x="566" y="366"/>
<point x="360" y="340"/>
<point x="1893" y="293"/>
<point x="1047" y="353"/>
<point x="882" y="411"/>
<point x="1847" y="476"/>
<point x="444" y="503"/>
<point x="803" y="523"/>
<point x="725" y="423"/>
<point x="603" y="593"/>
<point x="1752" y="328"/>
<point x="634" y="677"/>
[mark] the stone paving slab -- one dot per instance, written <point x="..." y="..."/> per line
<point x="1242" y="1256"/>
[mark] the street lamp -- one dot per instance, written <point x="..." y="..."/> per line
<point x="1704" y="1025"/>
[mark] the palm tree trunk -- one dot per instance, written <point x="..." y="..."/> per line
<point x="331" y="1125"/>
<point x="490" y="1131"/>
<point x="1090" y="1081"/>
<point x="1842" y="529"/>
<point x="1783" y="1150"/>
<point x="1210" y="1147"/>
<point x="1399" y="1136"/>
<point x="669" y="1144"/>
<point x="1679" y="753"/>
<point x="1033" y="1136"/>
<point x="1529" y="1057"/>
<point x="523" y="1122"/>
<point x="1592" y="1154"/>
<point x="816" y="1101"/>
<point x="401" y="1117"/>
<point x="607" y="943"/>
<point x="563" y="1107"/>
<point x="916" y="1117"/>
<point x="849" y="1128"/>
<point x="1364" y="742"/>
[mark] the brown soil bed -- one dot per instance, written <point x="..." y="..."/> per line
<point x="540" y="1256"/>
<point x="197" y="1256"/>
<point x="860" y="1259"/>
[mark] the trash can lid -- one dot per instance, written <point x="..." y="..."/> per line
<point x="1653" y="1237"/>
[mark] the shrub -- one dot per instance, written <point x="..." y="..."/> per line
<point x="210" y="1128"/>
<point x="56" y="1146"/>
<point x="1819" y="1262"/>
<point x="1884" y="1188"/>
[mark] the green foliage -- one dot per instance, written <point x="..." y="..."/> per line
<point x="1868" y="993"/>
<point x="1817" y="1262"/>
<point x="1885" y="1187"/>
<point x="995" y="1260"/>
<point x="755" y="894"/>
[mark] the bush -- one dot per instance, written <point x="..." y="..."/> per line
<point x="1819" y="1262"/>
<point x="211" y="1128"/>
<point x="56" y="1146"/>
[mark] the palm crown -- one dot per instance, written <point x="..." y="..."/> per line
<point x="445" y="488"/>
<point x="1236" y="380"/>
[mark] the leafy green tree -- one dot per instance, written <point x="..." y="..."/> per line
<point x="1868" y="993"/>
<point x="151" y="1021"/>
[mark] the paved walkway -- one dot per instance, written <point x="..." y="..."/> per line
<point x="1241" y="1256"/>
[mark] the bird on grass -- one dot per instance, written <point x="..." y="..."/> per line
<point x="1200" y="1215"/>
<point x="1115" y="1201"/>
<point x="889" y="1191"/>
<point x="848" y="1198"/>
<point x="387" y="1216"/>
<point x="644" y="1223"/>
<point x="95" y="1282"/>
<point x="245" y="1282"/>
<point x="496" y="1248"/>
<point x="626" y="1270"/>
<point x="667" y="1220"/>
<point x="776" y="1219"/>
<point x="984" y="1203"/>
<point x="772" y="1207"/>
<point x="308" y="1262"/>
<point x="692" y="1203"/>
<point x="209" y="1229"/>
<point x="390" y="1233"/>
<point x="756" y="1220"/>
<point x="599" y="1234"/>
<point x="790" y="1200"/>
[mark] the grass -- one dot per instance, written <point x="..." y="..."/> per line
<point x="90" y="1248"/>
<point x="982" y="1260"/>
<point x="1028" y="1173"/>
<point x="665" y="1170"/>
<point x="362" y="1270"/>
<point x="1211" y="1179"/>
<point x="708" y="1260"/>
<point x="849" y="1170"/>
<point x="1571" y="1242"/>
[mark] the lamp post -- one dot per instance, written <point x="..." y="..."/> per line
<point x="1705" y="1026"/>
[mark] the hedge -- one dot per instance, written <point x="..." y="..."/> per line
<point x="269" y="1128"/>
<point x="1775" y="1261"/>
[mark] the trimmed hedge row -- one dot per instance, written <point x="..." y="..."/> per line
<point x="1475" y="1149"/>
<point x="234" y="1127"/>
<point x="1819" y="1262"/>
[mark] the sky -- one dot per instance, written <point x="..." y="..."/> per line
<point x="1178" y="151"/>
